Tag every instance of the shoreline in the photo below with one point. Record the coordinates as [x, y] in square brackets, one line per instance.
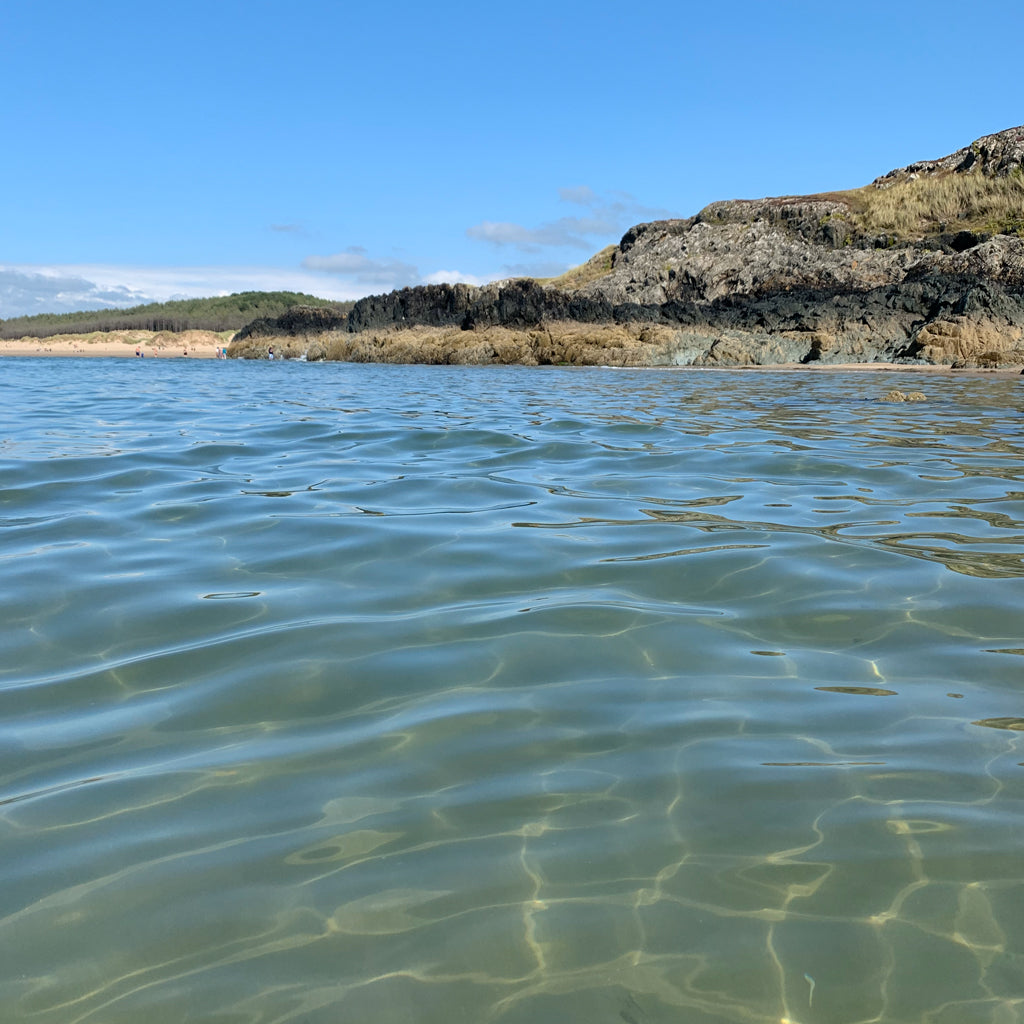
[206, 345]
[1009, 370]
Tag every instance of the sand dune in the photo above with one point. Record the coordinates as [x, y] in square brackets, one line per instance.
[159, 344]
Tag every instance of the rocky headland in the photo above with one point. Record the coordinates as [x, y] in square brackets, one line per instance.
[925, 265]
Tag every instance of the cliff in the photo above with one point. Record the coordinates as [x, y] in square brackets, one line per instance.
[925, 265]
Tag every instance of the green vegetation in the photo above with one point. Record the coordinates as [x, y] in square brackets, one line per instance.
[904, 210]
[932, 204]
[596, 267]
[221, 313]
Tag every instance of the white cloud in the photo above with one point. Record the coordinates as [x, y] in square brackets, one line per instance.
[25, 290]
[607, 217]
[356, 265]
[455, 277]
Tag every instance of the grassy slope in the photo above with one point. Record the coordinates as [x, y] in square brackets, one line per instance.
[914, 208]
[596, 267]
[933, 204]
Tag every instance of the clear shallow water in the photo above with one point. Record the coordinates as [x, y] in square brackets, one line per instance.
[335, 692]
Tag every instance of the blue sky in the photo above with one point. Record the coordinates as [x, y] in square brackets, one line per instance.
[202, 147]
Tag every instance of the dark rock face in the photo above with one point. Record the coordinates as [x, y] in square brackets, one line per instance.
[436, 305]
[519, 303]
[298, 320]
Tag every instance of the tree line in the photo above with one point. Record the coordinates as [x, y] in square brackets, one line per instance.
[220, 313]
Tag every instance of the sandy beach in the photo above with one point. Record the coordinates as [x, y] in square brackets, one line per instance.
[128, 344]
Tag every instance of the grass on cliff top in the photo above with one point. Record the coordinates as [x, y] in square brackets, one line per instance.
[932, 204]
[598, 266]
[915, 208]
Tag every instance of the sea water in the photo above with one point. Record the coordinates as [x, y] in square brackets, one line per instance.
[336, 693]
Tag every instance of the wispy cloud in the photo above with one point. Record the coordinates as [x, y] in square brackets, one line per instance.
[354, 263]
[357, 266]
[538, 268]
[582, 194]
[569, 232]
[605, 217]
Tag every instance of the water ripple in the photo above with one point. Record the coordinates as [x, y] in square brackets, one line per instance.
[506, 694]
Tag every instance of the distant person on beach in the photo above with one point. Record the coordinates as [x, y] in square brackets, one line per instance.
[138, 352]
[270, 352]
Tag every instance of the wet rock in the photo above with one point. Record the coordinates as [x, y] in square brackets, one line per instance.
[900, 396]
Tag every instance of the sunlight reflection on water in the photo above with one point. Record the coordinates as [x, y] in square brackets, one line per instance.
[504, 694]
